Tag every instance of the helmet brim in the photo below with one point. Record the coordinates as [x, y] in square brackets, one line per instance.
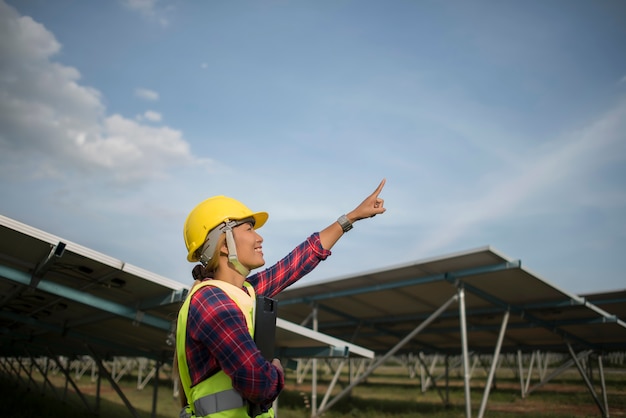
[259, 219]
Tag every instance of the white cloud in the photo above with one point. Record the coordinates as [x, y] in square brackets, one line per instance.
[51, 125]
[148, 9]
[151, 116]
[41, 43]
[147, 94]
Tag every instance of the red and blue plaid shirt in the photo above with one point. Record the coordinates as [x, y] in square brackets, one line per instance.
[217, 336]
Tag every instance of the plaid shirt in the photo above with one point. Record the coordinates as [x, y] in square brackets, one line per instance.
[217, 336]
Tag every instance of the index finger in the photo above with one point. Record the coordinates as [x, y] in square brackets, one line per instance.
[379, 188]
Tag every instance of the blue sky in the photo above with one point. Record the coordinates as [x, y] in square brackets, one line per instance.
[499, 123]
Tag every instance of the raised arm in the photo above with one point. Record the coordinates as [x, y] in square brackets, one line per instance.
[371, 206]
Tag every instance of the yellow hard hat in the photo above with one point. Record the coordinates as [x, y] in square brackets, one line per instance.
[211, 213]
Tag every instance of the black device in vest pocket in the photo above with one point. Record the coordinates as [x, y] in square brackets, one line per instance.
[265, 325]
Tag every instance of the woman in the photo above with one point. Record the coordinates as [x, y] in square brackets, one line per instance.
[221, 369]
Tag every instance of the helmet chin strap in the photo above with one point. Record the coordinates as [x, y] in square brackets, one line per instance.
[232, 253]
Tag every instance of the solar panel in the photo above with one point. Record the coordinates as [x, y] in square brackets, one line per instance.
[377, 309]
[57, 297]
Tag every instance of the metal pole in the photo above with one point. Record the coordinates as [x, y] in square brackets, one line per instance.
[98, 389]
[521, 373]
[466, 377]
[494, 365]
[447, 380]
[603, 385]
[332, 383]
[530, 371]
[155, 393]
[314, 369]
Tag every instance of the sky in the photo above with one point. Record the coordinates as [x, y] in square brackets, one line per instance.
[495, 123]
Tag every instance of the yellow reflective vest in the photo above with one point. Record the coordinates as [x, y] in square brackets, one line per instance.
[214, 397]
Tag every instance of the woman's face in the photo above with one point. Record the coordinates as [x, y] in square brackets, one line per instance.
[249, 249]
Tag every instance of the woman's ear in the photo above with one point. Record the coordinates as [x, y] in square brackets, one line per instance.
[224, 248]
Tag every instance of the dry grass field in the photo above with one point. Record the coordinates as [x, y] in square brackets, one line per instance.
[387, 393]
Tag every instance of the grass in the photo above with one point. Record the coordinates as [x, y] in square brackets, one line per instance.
[387, 393]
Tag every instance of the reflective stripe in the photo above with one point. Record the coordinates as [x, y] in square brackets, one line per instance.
[218, 402]
[185, 412]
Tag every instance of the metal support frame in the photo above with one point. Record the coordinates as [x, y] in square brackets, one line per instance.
[5, 367]
[82, 366]
[430, 376]
[524, 391]
[329, 347]
[411, 366]
[104, 305]
[494, 365]
[153, 373]
[56, 252]
[114, 385]
[125, 367]
[390, 353]
[543, 360]
[29, 373]
[44, 374]
[68, 379]
[302, 369]
[457, 362]
[575, 359]
[16, 372]
[359, 369]
[155, 393]
[604, 410]
[429, 380]
[333, 382]
[566, 365]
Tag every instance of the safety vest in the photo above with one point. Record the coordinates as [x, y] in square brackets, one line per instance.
[215, 396]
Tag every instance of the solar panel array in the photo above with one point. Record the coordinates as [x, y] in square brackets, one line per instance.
[377, 309]
[58, 298]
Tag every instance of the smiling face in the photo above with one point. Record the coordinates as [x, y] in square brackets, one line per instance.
[249, 248]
